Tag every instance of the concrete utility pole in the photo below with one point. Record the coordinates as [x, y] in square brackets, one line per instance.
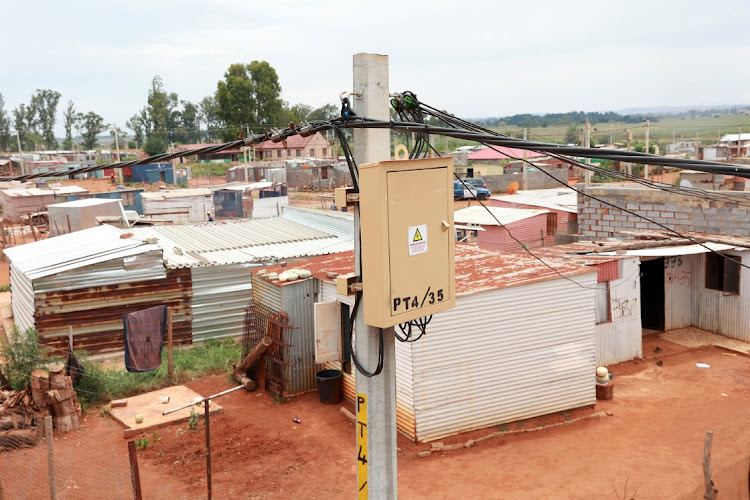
[587, 144]
[20, 152]
[629, 137]
[119, 157]
[377, 478]
[524, 179]
[645, 167]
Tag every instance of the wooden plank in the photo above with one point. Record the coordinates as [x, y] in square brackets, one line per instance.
[148, 405]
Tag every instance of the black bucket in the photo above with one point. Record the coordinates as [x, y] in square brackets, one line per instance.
[330, 386]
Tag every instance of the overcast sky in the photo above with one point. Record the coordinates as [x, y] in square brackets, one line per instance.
[474, 59]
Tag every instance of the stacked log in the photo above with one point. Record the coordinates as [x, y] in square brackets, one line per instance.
[20, 420]
[61, 400]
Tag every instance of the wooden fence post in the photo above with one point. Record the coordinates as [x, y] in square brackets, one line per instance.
[711, 491]
[135, 475]
[50, 456]
[170, 362]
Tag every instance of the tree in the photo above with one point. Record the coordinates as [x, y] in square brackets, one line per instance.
[188, 130]
[297, 113]
[154, 146]
[249, 94]
[267, 91]
[158, 109]
[5, 138]
[24, 121]
[45, 104]
[136, 125]
[69, 121]
[92, 125]
[121, 136]
[572, 134]
[208, 109]
[325, 112]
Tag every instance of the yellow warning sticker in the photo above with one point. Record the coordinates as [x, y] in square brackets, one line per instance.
[362, 486]
[417, 239]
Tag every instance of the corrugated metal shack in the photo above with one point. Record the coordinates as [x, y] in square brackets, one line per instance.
[129, 198]
[88, 280]
[74, 216]
[218, 256]
[529, 227]
[18, 202]
[519, 343]
[179, 206]
[687, 285]
[562, 203]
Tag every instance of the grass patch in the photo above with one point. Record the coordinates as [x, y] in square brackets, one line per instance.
[100, 385]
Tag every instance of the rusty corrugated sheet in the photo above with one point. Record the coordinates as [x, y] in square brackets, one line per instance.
[96, 313]
[529, 232]
[607, 271]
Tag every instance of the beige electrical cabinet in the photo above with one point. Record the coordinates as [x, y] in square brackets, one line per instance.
[408, 245]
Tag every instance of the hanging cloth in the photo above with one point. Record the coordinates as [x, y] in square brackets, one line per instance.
[144, 338]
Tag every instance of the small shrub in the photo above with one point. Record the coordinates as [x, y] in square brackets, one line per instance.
[193, 420]
[21, 354]
[5, 288]
[142, 443]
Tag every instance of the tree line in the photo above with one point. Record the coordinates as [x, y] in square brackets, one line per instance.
[248, 97]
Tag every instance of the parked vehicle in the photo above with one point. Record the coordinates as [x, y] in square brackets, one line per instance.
[475, 182]
[461, 193]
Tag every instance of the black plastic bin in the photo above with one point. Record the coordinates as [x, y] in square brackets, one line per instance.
[330, 386]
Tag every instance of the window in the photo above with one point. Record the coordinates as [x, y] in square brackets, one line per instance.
[289, 153]
[325, 152]
[312, 152]
[723, 273]
[601, 301]
[298, 153]
[278, 153]
[128, 199]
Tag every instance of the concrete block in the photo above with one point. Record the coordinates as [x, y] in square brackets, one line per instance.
[424, 454]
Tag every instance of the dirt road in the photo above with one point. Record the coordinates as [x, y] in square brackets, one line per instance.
[653, 441]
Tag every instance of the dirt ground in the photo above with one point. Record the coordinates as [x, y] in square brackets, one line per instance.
[648, 444]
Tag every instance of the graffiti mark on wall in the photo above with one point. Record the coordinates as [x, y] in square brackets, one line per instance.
[679, 278]
[623, 308]
[672, 262]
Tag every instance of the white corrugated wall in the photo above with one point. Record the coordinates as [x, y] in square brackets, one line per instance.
[621, 338]
[679, 276]
[716, 312]
[220, 297]
[22, 299]
[506, 355]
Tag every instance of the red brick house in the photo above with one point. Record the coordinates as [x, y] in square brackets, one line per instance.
[314, 146]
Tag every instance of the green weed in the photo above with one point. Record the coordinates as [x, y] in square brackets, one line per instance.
[20, 354]
[142, 443]
[193, 420]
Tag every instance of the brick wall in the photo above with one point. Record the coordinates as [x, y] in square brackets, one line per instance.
[682, 213]
[535, 180]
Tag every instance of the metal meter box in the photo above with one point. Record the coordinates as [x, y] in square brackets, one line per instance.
[408, 247]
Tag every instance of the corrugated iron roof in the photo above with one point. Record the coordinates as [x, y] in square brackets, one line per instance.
[477, 270]
[74, 250]
[62, 190]
[670, 251]
[177, 193]
[340, 224]
[295, 141]
[240, 241]
[481, 216]
[558, 199]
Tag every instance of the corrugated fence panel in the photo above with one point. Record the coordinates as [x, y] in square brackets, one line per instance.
[220, 297]
[506, 355]
[621, 338]
[528, 231]
[297, 302]
[678, 289]
[719, 313]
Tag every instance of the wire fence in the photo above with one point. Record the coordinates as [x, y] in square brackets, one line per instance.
[35, 467]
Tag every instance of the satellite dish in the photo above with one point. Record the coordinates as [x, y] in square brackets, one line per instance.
[685, 183]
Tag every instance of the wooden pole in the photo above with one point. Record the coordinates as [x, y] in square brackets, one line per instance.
[711, 490]
[135, 475]
[208, 448]
[50, 456]
[170, 361]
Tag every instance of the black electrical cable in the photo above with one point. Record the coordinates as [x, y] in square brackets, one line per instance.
[361, 369]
